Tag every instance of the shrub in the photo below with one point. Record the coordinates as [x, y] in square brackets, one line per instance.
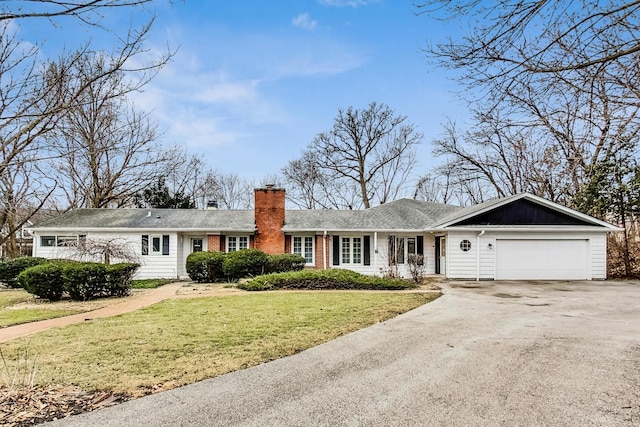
[10, 269]
[119, 278]
[285, 262]
[205, 267]
[85, 280]
[44, 280]
[324, 279]
[245, 263]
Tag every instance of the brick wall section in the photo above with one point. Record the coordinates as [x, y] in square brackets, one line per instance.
[287, 245]
[269, 217]
[214, 243]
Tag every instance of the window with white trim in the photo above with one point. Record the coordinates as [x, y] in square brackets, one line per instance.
[303, 246]
[400, 249]
[237, 243]
[351, 250]
[47, 240]
[155, 245]
[62, 241]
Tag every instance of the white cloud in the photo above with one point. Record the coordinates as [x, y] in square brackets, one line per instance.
[304, 21]
[349, 3]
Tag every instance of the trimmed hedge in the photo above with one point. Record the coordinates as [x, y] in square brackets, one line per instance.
[245, 263]
[209, 267]
[81, 280]
[285, 262]
[120, 277]
[205, 267]
[324, 279]
[44, 280]
[10, 269]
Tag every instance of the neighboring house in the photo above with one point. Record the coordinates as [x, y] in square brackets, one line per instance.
[517, 237]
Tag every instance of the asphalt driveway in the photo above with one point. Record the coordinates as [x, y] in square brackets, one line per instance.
[484, 354]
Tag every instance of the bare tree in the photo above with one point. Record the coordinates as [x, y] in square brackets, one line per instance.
[103, 250]
[33, 96]
[230, 191]
[508, 37]
[368, 153]
[105, 148]
[311, 187]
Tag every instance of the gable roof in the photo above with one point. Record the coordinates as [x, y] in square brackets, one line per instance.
[477, 210]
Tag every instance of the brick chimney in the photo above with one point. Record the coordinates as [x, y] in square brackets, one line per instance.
[269, 218]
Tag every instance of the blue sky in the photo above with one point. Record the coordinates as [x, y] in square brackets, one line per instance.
[254, 81]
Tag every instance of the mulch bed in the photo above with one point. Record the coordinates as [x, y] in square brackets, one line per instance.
[26, 406]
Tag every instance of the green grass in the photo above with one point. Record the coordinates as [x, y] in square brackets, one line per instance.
[150, 283]
[182, 341]
[14, 316]
[334, 278]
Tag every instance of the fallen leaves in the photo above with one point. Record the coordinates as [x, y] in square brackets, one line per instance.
[26, 406]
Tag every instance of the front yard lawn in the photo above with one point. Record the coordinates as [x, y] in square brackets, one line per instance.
[181, 341]
[14, 309]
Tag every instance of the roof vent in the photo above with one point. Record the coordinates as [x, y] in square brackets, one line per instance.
[149, 214]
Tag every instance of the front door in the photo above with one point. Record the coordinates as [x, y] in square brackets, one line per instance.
[441, 253]
[196, 244]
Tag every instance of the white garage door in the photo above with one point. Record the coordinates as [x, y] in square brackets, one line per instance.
[542, 259]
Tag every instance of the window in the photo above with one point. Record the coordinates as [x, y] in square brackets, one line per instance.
[155, 244]
[303, 246]
[403, 248]
[465, 245]
[48, 241]
[159, 244]
[62, 241]
[236, 243]
[196, 245]
[357, 250]
[346, 250]
[352, 250]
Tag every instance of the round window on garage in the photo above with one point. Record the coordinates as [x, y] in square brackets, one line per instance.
[465, 245]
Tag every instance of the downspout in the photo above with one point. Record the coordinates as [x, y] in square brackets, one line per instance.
[478, 255]
[324, 250]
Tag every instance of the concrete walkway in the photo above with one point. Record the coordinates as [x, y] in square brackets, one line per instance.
[484, 354]
[149, 298]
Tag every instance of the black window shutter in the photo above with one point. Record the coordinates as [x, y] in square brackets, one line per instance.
[336, 250]
[367, 250]
[165, 244]
[420, 245]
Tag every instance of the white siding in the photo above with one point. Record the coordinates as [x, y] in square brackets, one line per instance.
[151, 266]
[598, 256]
[463, 265]
[380, 260]
[371, 270]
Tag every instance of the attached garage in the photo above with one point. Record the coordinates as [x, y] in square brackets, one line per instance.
[542, 259]
[524, 237]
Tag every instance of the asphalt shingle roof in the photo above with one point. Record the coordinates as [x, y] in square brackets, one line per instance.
[223, 220]
[403, 214]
